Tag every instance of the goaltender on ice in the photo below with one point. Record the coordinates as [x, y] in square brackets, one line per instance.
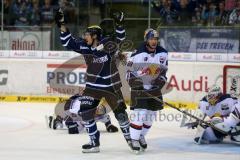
[223, 111]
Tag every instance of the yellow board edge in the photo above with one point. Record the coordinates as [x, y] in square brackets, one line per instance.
[57, 99]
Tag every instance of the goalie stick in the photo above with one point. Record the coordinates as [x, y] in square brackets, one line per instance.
[201, 121]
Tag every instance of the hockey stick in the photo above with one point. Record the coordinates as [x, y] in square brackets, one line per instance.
[192, 116]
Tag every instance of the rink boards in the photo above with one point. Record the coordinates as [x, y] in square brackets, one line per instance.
[53, 80]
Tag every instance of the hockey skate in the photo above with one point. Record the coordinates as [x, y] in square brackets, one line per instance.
[91, 147]
[129, 141]
[53, 122]
[143, 143]
[135, 147]
[200, 140]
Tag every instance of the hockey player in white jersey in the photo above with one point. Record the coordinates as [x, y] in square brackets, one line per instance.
[146, 73]
[223, 111]
[66, 116]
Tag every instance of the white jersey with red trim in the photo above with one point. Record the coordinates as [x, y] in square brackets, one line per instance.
[148, 66]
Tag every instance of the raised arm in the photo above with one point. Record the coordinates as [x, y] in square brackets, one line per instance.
[118, 18]
[66, 37]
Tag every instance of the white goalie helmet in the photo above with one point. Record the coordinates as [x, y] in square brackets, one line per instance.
[213, 94]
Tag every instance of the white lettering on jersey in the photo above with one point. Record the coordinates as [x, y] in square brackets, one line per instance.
[101, 59]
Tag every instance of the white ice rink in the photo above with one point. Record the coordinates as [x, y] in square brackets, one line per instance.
[24, 136]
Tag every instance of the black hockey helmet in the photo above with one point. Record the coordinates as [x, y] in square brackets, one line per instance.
[95, 30]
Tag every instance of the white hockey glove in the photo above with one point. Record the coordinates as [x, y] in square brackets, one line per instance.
[228, 124]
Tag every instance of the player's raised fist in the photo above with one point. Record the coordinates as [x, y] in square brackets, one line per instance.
[59, 18]
[118, 16]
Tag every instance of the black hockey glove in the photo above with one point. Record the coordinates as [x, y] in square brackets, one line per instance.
[117, 16]
[111, 128]
[59, 18]
[160, 82]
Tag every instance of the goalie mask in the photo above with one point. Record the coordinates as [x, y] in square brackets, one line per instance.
[213, 94]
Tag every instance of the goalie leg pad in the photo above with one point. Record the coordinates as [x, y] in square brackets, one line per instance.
[212, 136]
[206, 136]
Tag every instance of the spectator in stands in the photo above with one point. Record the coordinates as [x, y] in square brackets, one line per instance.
[167, 11]
[68, 7]
[234, 17]
[184, 13]
[230, 4]
[47, 13]
[222, 14]
[21, 12]
[209, 14]
[35, 17]
[6, 12]
[196, 18]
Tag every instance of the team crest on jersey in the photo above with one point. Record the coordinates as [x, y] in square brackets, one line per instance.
[224, 107]
[145, 58]
[154, 69]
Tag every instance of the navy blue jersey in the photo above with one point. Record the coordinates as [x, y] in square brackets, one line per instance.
[102, 72]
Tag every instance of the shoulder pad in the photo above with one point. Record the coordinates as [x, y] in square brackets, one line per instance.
[223, 97]
[140, 49]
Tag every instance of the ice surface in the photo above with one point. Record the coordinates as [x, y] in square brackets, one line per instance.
[24, 136]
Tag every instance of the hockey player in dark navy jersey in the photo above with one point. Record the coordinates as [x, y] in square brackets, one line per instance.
[146, 73]
[103, 79]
